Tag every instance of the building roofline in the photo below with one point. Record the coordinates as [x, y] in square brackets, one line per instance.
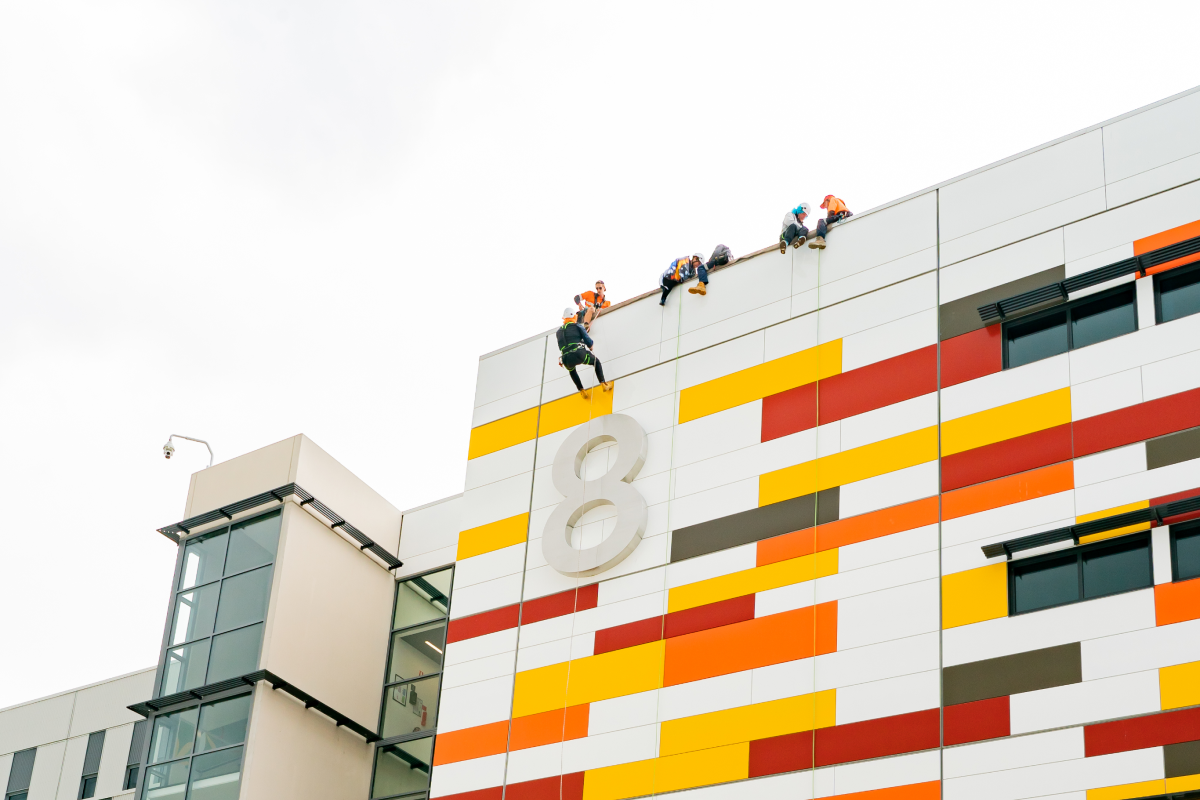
[77, 689]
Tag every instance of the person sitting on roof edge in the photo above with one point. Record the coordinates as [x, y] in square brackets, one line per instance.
[680, 270]
[720, 257]
[837, 212]
[590, 305]
[573, 344]
[794, 232]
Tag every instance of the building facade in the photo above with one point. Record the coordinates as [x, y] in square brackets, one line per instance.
[916, 516]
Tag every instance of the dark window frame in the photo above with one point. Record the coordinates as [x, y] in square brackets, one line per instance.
[1167, 275]
[1078, 553]
[1067, 309]
[1184, 527]
[83, 785]
[131, 777]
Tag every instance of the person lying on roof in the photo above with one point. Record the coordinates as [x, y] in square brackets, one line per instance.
[720, 257]
[591, 304]
[573, 344]
[681, 269]
[837, 212]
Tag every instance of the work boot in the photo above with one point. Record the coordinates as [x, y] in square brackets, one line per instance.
[585, 394]
[783, 245]
[799, 241]
[699, 288]
[607, 386]
[818, 243]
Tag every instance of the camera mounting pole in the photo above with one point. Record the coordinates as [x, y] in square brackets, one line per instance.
[190, 439]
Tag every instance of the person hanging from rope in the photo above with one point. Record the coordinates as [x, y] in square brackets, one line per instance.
[573, 351]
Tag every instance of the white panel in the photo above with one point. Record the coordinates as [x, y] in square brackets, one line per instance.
[488, 566]
[1177, 173]
[881, 773]
[880, 237]
[113, 760]
[509, 372]
[1024, 226]
[620, 613]
[35, 723]
[1110, 464]
[1002, 388]
[889, 614]
[894, 420]
[506, 406]
[467, 776]
[606, 750]
[72, 765]
[889, 697]
[655, 416]
[105, 705]
[5, 768]
[790, 786]
[1136, 349]
[583, 645]
[733, 327]
[888, 341]
[1145, 302]
[721, 502]
[643, 387]
[1140, 486]
[1022, 185]
[1006, 519]
[731, 429]
[490, 644]
[885, 660]
[1171, 376]
[871, 579]
[778, 681]
[1152, 138]
[47, 770]
[481, 669]
[962, 557]
[998, 267]
[761, 281]
[1092, 701]
[878, 277]
[749, 462]
[805, 302]
[1160, 551]
[533, 763]
[1155, 214]
[1088, 263]
[496, 501]
[1013, 753]
[619, 713]
[546, 630]
[706, 696]
[1106, 394]
[785, 598]
[648, 582]
[415, 565]
[791, 337]
[1077, 622]
[890, 489]
[829, 439]
[506, 463]
[485, 596]
[1137, 651]
[543, 655]
[712, 565]
[475, 704]
[888, 548]
[434, 527]
[1058, 777]
[724, 359]
[619, 332]
[877, 308]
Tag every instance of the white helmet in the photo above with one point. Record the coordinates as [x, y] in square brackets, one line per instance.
[698, 257]
[568, 313]
[806, 208]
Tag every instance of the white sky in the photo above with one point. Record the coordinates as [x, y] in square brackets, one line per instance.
[241, 221]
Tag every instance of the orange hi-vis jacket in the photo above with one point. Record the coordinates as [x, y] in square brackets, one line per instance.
[589, 298]
[835, 206]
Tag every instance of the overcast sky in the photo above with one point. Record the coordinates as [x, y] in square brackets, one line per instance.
[246, 220]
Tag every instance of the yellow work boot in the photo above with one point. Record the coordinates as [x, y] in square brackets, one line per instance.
[817, 243]
[607, 386]
[585, 394]
[699, 288]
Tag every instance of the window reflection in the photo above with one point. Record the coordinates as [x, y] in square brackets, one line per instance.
[402, 768]
[173, 735]
[184, 668]
[410, 707]
[223, 724]
[417, 651]
[422, 599]
[203, 561]
[195, 612]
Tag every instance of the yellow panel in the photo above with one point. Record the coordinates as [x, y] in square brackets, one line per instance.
[1112, 512]
[703, 768]
[1126, 791]
[493, 536]
[1179, 686]
[1184, 783]
[569, 411]
[615, 674]
[623, 780]
[752, 581]
[857, 464]
[1006, 422]
[503, 433]
[761, 380]
[542, 689]
[975, 595]
[747, 723]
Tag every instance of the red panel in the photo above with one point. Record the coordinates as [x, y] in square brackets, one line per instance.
[572, 786]
[492, 793]
[713, 615]
[789, 412]
[1137, 423]
[974, 722]
[1171, 498]
[588, 597]
[555, 605]
[1153, 730]
[543, 789]
[500, 619]
[628, 635]
[972, 355]
[1006, 458]
[781, 754]
[874, 738]
[878, 385]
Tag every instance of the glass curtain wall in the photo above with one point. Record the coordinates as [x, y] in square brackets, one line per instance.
[220, 604]
[408, 719]
[196, 753]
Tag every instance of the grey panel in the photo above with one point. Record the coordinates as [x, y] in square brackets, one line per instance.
[1172, 449]
[139, 741]
[22, 770]
[755, 525]
[1020, 672]
[1182, 759]
[962, 316]
[91, 761]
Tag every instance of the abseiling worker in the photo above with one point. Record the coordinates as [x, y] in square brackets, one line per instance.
[573, 344]
[794, 231]
[836, 211]
[591, 304]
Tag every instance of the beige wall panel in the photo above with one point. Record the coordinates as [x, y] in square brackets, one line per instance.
[35, 724]
[1002, 266]
[1134, 221]
[328, 620]
[104, 706]
[510, 371]
[621, 331]
[877, 238]
[340, 489]
[431, 527]
[300, 755]
[47, 768]
[72, 768]
[5, 768]
[245, 476]
[1156, 137]
[114, 760]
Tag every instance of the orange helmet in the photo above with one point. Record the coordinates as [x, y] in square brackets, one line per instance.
[825, 202]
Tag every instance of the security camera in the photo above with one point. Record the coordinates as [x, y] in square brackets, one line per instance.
[168, 450]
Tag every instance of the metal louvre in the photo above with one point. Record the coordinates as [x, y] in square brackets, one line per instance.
[136, 744]
[1155, 514]
[1059, 292]
[21, 771]
[336, 521]
[91, 761]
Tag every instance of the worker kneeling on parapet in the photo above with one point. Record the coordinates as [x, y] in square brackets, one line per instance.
[573, 350]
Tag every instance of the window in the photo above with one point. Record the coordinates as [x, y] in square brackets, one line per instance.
[1177, 293]
[220, 603]
[1088, 321]
[19, 774]
[91, 765]
[198, 749]
[135, 754]
[1185, 551]
[414, 677]
[1083, 573]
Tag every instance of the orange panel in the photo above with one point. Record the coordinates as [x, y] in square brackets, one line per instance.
[483, 740]
[536, 730]
[577, 721]
[914, 791]
[1177, 602]
[754, 643]
[786, 547]
[1161, 240]
[848, 531]
[1008, 490]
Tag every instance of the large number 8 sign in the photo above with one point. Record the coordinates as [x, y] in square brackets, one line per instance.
[582, 496]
